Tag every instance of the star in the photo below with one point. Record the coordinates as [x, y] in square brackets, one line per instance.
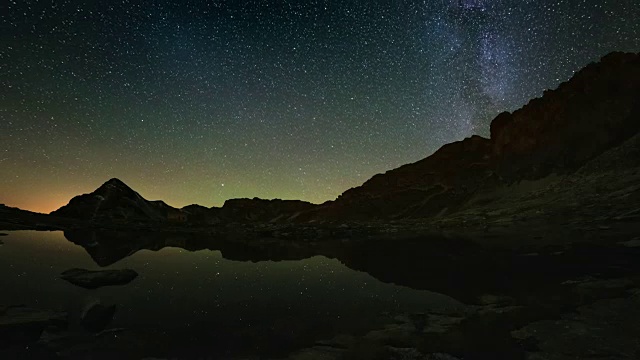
[180, 94]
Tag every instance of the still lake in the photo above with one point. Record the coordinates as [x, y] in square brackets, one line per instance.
[200, 300]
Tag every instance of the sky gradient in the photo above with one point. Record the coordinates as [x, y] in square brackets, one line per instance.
[202, 101]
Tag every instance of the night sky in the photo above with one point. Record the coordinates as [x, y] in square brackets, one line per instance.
[202, 101]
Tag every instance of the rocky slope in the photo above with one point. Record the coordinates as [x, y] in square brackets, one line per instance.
[114, 201]
[260, 210]
[595, 111]
[576, 129]
[16, 219]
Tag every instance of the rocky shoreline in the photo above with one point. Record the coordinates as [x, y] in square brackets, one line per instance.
[588, 318]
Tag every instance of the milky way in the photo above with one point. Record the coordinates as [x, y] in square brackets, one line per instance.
[201, 101]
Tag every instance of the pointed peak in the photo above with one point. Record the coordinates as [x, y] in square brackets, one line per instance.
[115, 181]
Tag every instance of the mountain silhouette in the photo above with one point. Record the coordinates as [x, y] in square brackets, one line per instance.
[587, 124]
[597, 110]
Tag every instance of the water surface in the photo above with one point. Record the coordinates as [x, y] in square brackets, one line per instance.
[199, 298]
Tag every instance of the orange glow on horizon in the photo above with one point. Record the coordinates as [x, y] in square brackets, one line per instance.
[40, 206]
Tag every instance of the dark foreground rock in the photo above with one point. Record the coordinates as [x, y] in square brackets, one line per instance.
[96, 317]
[22, 324]
[586, 318]
[605, 329]
[95, 279]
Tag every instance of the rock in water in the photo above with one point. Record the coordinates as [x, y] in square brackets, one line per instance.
[600, 330]
[19, 323]
[95, 316]
[95, 279]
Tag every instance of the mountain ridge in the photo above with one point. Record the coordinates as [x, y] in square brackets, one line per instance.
[558, 133]
[597, 109]
[116, 201]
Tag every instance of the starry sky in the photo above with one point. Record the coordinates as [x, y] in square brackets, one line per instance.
[201, 101]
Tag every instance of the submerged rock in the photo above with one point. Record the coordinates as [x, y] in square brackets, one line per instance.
[495, 300]
[634, 243]
[602, 330]
[394, 353]
[95, 279]
[95, 316]
[318, 352]
[19, 323]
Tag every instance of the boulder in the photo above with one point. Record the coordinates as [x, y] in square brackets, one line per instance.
[96, 317]
[24, 324]
[95, 279]
[602, 330]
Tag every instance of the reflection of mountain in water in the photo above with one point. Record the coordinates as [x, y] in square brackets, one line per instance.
[109, 247]
[455, 267]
